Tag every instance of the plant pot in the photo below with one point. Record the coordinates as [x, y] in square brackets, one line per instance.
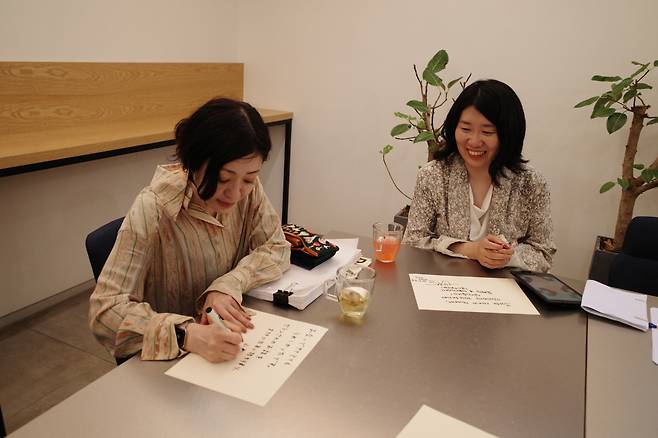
[599, 268]
[401, 217]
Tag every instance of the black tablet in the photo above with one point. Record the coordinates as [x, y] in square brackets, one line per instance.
[549, 288]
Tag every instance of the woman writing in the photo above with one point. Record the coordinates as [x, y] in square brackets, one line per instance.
[478, 198]
[202, 233]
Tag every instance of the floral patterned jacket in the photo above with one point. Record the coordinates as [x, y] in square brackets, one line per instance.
[519, 210]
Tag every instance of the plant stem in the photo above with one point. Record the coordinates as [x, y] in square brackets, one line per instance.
[392, 180]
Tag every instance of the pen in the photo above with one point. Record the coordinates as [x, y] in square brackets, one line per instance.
[652, 325]
[215, 318]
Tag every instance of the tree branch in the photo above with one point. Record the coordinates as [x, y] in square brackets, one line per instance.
[648, 186]
[393, 180]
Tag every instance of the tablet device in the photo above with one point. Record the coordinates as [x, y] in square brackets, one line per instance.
[548, 287]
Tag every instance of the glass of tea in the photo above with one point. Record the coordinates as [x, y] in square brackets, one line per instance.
[386, 239]
[352, 289]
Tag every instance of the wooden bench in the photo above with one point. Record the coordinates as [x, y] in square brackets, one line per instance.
[58, 113]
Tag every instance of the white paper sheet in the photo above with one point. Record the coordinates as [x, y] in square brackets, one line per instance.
[470, 294]
[272, 350]
[429, 422]
[654, 334]
[617, 304]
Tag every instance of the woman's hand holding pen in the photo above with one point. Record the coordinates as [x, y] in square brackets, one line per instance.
[491, 251]
[212, 341]
[228, 309]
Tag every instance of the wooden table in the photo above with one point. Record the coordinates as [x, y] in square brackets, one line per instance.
[510, 375]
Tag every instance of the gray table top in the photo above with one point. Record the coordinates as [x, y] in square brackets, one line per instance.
[510, 375]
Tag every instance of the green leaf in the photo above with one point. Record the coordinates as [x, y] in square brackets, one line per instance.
[606, 78]
[418, 106]
[615, 122]
[653, 121]
[623, 183]
[638, 166]
[619, 87]
[640, 70]
[433, 79]
[648, 175]
[655, 63]
[438, 61]
[642, 86]
[586, 102]
[403, 116]
[630, 94]
[386, 149]
[600, 109]
[636, 63]
[423, 136]
[400, 129]
[607, 186]
[454, 81]
[421, 124]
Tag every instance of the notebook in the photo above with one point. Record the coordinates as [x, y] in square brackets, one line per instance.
[299, 287]
[616, 304]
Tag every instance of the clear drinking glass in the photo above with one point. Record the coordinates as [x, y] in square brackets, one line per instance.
[353, 291]
[386, 239]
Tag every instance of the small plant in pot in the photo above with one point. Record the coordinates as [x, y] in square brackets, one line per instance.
[624, 98]
[419, 121]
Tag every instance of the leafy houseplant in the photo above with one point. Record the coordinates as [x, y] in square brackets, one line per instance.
[623, 98]
[419, 126]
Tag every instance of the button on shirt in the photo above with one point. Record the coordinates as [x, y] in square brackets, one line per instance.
[170, 252]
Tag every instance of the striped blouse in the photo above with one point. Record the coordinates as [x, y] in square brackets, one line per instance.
[170, 252]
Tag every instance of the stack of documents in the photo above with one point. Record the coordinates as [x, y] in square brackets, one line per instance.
[617, 304]
[300, 286]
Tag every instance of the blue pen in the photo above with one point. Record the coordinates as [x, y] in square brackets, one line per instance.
[652, 325]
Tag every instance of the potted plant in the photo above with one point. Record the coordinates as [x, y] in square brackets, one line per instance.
[624, 98]
[418, 124]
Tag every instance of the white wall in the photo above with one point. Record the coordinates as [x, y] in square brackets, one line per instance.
[46, 214]
[344, 67]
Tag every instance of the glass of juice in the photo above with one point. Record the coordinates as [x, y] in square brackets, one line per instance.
[386, 238]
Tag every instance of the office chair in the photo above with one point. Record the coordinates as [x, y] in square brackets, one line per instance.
[99, 243]
[635, 267]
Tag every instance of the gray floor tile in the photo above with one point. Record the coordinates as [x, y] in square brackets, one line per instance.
[38, 371]
[69, 324]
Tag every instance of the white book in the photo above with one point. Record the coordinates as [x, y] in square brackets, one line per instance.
[300, 287]
[616, 304]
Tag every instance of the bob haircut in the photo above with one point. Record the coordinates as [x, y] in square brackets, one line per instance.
[502, 107]
[220, 131]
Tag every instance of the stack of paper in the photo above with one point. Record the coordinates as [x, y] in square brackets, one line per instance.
[617, 304]
[307, 285]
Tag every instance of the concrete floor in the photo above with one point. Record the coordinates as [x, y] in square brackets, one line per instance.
[46, 358]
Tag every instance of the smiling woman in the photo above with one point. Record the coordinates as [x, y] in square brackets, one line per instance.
[479, 198]
[202, 233]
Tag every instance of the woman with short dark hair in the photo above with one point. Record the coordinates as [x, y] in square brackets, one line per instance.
[200, 235]
[479, 198]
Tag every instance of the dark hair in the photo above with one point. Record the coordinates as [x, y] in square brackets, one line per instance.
[220, 131]
[502, 107]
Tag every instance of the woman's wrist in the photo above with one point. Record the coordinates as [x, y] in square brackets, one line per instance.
[462, 248]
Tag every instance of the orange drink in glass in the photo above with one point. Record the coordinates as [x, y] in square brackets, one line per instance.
[386, 239]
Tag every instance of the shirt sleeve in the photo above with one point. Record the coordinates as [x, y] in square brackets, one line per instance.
[536, 250]
[269, 252]
[421, 222]
[119, 318]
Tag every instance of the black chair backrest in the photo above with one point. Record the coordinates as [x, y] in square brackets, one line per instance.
[642, 237]
[99, 243]
[635, 267]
